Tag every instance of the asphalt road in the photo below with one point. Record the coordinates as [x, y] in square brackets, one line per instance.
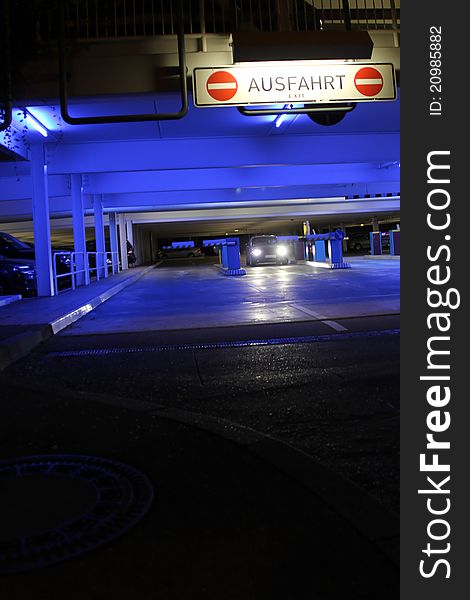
[309, 358]
[336, 398]
[320, 371]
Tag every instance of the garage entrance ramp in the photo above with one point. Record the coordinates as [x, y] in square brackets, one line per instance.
[182, 298]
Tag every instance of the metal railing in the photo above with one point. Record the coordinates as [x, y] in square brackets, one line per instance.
[102, 270]
[68, 279]
[78, 263]
[115, 19]
[114, 259]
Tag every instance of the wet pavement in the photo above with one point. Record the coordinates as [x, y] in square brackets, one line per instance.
[193, 294]
[228, 520]
[274, 461]
[336, 398]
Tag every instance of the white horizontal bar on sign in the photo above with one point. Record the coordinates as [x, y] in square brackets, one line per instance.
[221, 86]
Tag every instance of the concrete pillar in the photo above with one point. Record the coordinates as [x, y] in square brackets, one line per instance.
[123, 242]
[335, 250]
[306, 231]
[113, 241]
[101, 264]
[375, 224]
[130, 237]
[130, 231]
[345, 242]
[320, 251]
[138, 246]
[79, 237]
[41, 223]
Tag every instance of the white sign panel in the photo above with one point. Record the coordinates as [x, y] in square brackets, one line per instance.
[305, 83]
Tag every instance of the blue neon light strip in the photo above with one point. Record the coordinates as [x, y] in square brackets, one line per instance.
[282, 117]
[35, 123]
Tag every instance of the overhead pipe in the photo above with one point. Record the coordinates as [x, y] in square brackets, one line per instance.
[136, 118]
[347, 15]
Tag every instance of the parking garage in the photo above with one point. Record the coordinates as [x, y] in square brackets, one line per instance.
[133, 199]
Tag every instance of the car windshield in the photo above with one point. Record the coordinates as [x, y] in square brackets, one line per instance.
[267, 241]
[8, 240]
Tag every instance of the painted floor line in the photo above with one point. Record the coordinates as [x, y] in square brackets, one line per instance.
[333, 324]
[308, 339]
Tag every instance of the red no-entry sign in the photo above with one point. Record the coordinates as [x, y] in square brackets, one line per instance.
[368, 81]
[222, 86]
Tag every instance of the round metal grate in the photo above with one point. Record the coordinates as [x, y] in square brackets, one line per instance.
[55, 507]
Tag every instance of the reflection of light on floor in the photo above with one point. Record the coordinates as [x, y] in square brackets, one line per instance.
[261, 314]
[257, 281]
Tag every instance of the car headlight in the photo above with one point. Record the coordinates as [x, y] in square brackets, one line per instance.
[281, 251]
[257, 252]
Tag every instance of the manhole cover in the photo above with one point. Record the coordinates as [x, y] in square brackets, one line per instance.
[56, 507]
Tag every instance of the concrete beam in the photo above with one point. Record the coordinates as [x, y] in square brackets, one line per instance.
[20, 187]
[148, 155]
[227, 178]
[234, 197]
[15, 142]
[304, 212]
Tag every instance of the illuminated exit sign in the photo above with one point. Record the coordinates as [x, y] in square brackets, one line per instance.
[272, 83]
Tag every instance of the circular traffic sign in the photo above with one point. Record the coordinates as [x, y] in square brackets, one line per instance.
[368, 81]
[222, 86]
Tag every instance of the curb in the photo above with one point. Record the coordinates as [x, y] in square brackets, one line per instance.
[72, 316]
[328, 265]
[4, 300]
[381, 257]
[17, 346]
[231, 272]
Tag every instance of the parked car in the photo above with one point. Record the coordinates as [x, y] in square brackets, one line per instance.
[358, 241]
[265, 249]
[361, 241]
[169, 252]
[17, 276]
[12, 247]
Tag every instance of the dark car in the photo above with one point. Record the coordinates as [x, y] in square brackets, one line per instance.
[358, 242]
[18, 259]
[266, 249]
[12, 247]
[170, 252]
[17, 276]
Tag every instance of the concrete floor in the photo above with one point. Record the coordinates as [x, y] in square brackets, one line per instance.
[193, 294]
